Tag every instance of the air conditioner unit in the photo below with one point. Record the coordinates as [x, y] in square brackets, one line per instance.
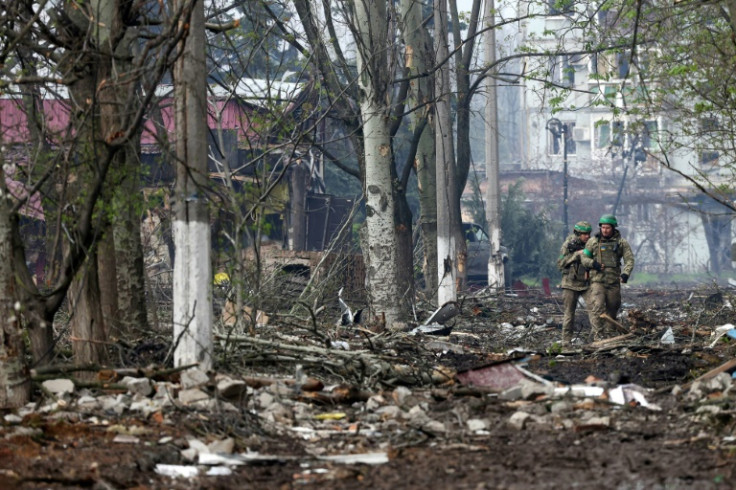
[581, 134]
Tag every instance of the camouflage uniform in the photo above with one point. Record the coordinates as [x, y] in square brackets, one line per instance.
[605, 285]
[575, 283]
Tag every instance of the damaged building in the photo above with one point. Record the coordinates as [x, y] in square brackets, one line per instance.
[604, 155]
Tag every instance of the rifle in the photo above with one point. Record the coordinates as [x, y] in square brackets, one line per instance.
[575, 245]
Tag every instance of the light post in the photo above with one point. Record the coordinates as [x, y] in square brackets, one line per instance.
[558, 129]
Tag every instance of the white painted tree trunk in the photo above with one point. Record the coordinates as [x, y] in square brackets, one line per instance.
[372, 23]
[445, 153]
[190, 229]
[496, 277]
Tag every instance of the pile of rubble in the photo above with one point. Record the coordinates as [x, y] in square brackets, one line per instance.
[345, 425]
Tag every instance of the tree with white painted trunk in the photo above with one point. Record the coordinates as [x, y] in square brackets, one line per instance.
[191, 228]
[447, 197]
[496, 277]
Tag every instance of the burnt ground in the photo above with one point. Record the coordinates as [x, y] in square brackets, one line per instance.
[591, 443]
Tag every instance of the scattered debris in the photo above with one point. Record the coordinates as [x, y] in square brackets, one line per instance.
[314, 411]
[668, 337]
[444, 313]
[720, 332]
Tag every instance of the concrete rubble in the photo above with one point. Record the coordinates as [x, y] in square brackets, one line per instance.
[530, 404]
[394, 413]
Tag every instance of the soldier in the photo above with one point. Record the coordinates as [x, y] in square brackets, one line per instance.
[575, 281]
[603, 254]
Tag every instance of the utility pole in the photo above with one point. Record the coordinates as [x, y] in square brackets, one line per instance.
[496, 279]
[559, 130]
[191, 228]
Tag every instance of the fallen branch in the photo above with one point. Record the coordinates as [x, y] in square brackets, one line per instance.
[720, 369]
[616, 324]
[361, 365]
[255, 382]
[605, 342]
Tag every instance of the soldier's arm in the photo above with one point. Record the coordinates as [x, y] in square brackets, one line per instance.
[628, 258]
[567, 258]
[587, 258]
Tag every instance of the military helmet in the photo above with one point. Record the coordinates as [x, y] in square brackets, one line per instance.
[582, 227]
[608, 219]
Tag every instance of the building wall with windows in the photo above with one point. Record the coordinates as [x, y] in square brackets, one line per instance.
[612, 154]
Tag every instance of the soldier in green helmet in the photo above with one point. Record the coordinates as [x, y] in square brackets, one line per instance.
[575, 281]
[603, 255]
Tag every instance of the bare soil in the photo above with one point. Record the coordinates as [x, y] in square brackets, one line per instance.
[640, 449]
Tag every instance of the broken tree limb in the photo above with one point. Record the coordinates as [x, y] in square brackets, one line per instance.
[255, 382]
[362, 365]
[605, 342]
[43, 373]
[727, 366]
[341, 394]
[616, 324]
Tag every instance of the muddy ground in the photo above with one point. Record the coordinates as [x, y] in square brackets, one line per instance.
[581, 442]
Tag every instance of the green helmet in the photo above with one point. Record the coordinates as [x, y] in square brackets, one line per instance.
[608, 219]
[582, 227]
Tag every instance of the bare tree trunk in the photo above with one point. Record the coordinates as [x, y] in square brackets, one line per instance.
[86, 323]
[381, 253]
[493, 201]
[446, 188]
[106, 273]
[191, 230]
[404, 244]
[464, 50]
[131, 285]
[15, 385]
[298, 180]
[419, 59]
[40, 333]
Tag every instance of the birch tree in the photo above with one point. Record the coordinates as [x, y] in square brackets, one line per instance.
[373, 29]
[375, 58]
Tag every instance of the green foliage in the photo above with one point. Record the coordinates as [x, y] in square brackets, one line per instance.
[554, 350]
[531, 238]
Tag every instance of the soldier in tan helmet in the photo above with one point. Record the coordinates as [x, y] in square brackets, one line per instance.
[575, 282]
[603, 255]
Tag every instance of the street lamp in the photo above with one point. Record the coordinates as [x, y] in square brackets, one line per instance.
[558, 129]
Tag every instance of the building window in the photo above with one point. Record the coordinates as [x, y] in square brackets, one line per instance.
[555, 142]
[561, 7]
[709, 158]
[561, 71]
[650, 135]
[622, 64]
[609, 134]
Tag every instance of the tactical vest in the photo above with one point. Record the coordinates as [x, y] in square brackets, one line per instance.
[610, 253]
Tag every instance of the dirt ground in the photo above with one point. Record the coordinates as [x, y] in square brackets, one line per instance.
[679, 446]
